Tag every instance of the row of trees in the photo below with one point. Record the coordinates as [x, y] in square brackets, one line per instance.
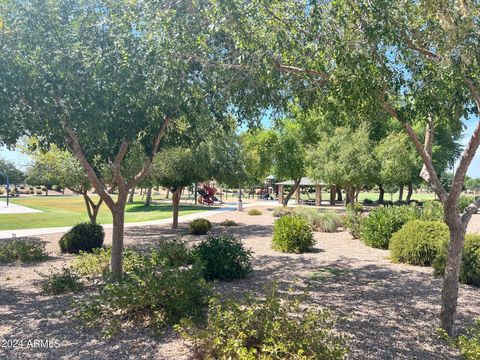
[101, 77]
[349, 158]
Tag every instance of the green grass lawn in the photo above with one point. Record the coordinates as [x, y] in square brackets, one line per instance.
[70, 210]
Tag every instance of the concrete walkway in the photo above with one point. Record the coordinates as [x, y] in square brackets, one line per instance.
[7, 234]
[15, 209]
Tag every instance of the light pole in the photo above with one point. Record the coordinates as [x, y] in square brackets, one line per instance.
[8, 186]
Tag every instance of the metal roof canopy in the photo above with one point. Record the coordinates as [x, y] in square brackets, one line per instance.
[305, 181]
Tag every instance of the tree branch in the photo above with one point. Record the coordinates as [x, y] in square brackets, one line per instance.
[148, 163]
[77, 150]
[428, 53]
[117, 164]
[470, 150]
[426, 158]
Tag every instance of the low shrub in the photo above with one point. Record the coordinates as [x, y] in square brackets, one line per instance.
[282, 211]
[378, 227]
[173, 253]
[358, 208]
[418, 242]
[368, 202]
[352, 221]
[39, 192]
[431, 211]
[223, 257]
[82, 237]
[22, 250]
[200, 226]
[464, 201]
[228, 223]
[468, 344]
[273, 328]
[470, 266]
[62, 282]
[292, 233]
[2, 191]
[98, 261]
[149, 295]
[254, 212]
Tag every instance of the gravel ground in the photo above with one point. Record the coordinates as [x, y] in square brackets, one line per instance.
[389, 311]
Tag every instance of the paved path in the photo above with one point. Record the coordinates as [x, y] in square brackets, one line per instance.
[15, 209]
[7, 234]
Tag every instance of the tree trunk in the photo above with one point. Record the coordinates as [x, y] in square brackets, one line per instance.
[400, 193]
[381, 195]
[294, 187]
[176, 205]
[92, 208]
[409, 193]
[333, 194]
[168, 194]
[118, 215]
[195, 193]
[452, 271]
[46, 190]
[350, 197]
[148, 199]
[131, 195]
[339, 194]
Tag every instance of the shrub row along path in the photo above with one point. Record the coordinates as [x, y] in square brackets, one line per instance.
[388, 310]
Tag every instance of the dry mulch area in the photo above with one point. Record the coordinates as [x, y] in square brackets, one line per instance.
[390, 311]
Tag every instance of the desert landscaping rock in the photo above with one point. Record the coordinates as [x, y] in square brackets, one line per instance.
[389, 311]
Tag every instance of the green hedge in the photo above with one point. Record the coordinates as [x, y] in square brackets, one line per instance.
[418, 242]
[470, 267]
[292, 234]
[379, 226]
[82, 237]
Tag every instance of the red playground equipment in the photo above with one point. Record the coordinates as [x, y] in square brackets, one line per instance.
[207, 195]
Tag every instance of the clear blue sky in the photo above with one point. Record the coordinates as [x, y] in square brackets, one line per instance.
[23, 161]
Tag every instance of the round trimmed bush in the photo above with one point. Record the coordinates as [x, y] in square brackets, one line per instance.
[223, 257]
[200, 226]
[293, 234]
[82, 237]
[418, 242]
[470, 267]
[379, 226]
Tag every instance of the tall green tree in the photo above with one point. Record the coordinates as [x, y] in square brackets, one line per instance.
[346, 158]
[399, 164]
[414, 61]
[176, 168]
[14, 174]
[97, 76]
[289, 154]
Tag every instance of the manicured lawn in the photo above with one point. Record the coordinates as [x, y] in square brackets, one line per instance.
[70, 210]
